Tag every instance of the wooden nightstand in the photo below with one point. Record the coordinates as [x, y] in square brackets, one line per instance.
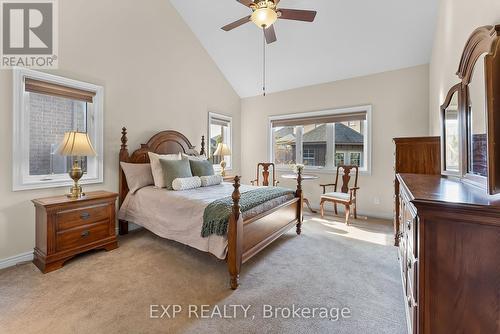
[66, 227]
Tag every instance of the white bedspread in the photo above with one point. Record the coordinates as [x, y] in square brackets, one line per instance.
[178, 215]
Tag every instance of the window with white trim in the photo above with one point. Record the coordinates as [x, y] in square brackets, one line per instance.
[322, 140]
[219, 131]
[45, 108]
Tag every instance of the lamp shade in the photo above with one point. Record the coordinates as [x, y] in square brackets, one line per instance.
[222, 150]
[76, 144]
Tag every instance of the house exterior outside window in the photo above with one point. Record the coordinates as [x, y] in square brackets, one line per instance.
[355, 159]
[339, 159]
[322, 140]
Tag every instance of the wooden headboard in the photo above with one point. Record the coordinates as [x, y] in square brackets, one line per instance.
[164, 142]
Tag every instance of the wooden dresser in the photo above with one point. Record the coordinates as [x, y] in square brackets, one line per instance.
[449, 252]
[66, 227]
[419, 155]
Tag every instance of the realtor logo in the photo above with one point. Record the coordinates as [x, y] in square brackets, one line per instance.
[29, 33]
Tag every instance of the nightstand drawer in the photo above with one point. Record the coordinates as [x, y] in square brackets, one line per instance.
[81, 216]
[81, 236]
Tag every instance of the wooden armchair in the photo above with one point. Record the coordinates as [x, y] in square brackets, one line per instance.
[346, 196]
[265, 175]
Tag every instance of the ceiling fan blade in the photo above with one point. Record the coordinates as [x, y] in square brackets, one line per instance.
[236, 24]
[245, 2]
[297, 14]
[270, 34]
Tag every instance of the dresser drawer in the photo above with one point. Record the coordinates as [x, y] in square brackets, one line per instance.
[402, 258]
[82, 235]
[411, 276]
[412, 308]
[81, 216]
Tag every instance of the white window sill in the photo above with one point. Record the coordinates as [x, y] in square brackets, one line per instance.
[326, 171]
[218, 169]
[54, 183]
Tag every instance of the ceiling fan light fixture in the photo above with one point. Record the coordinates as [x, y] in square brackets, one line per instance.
[264, 17]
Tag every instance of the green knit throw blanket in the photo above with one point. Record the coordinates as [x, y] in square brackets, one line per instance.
[216, 214]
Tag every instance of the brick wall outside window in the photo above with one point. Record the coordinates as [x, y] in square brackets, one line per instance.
[50, 118]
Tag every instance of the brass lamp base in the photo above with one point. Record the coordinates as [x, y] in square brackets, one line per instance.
[223, 168]
[76, 174]
[75, 192]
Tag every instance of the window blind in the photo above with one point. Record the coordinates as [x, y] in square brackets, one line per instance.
[219, 121]
[48, 88]
[354, 116]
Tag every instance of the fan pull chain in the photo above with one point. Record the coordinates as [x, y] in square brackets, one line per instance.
[264, 62]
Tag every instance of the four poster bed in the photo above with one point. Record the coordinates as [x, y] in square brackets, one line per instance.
[246, 234]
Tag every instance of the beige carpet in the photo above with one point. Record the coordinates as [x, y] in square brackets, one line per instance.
[329, 265]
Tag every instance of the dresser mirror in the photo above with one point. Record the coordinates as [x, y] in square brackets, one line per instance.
[470, 114]
[451, 133]
[477, 144]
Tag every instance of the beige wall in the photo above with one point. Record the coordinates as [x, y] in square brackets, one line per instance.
[400, 103]
[457, 19]
[156, 76]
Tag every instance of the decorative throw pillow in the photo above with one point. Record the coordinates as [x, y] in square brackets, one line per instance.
[194, 157]
[186, 183]
[156, 168]
[201, 167]
[174, 169]
[212, 180]
[138, 175]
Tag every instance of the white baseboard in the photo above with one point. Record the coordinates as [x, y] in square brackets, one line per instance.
[28, 256]
[16, 259]
[378, 215]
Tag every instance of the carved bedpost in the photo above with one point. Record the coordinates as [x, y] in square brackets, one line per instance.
[124, 156]
[235, 237]
[202, 151]
[299, 194]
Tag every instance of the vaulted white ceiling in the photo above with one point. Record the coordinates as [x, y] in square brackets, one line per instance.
[348, 39]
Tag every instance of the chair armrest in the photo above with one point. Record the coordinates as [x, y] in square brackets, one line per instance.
[327, 185]
[352, 191]
[253, 182]
[276, 183]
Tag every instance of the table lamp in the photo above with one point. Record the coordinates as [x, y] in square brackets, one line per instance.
[222, 151]
[76, 144]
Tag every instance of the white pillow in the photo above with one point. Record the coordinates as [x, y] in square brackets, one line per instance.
[156, 169]
[194, 157]
[210, 180]
[186, 183]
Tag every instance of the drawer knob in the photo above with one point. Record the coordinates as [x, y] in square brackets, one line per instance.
[85, 215]
[85, 234]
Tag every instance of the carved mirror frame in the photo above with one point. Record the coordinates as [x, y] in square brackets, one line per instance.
[484, 40]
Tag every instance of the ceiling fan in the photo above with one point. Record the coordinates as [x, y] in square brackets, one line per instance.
[265, 14]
